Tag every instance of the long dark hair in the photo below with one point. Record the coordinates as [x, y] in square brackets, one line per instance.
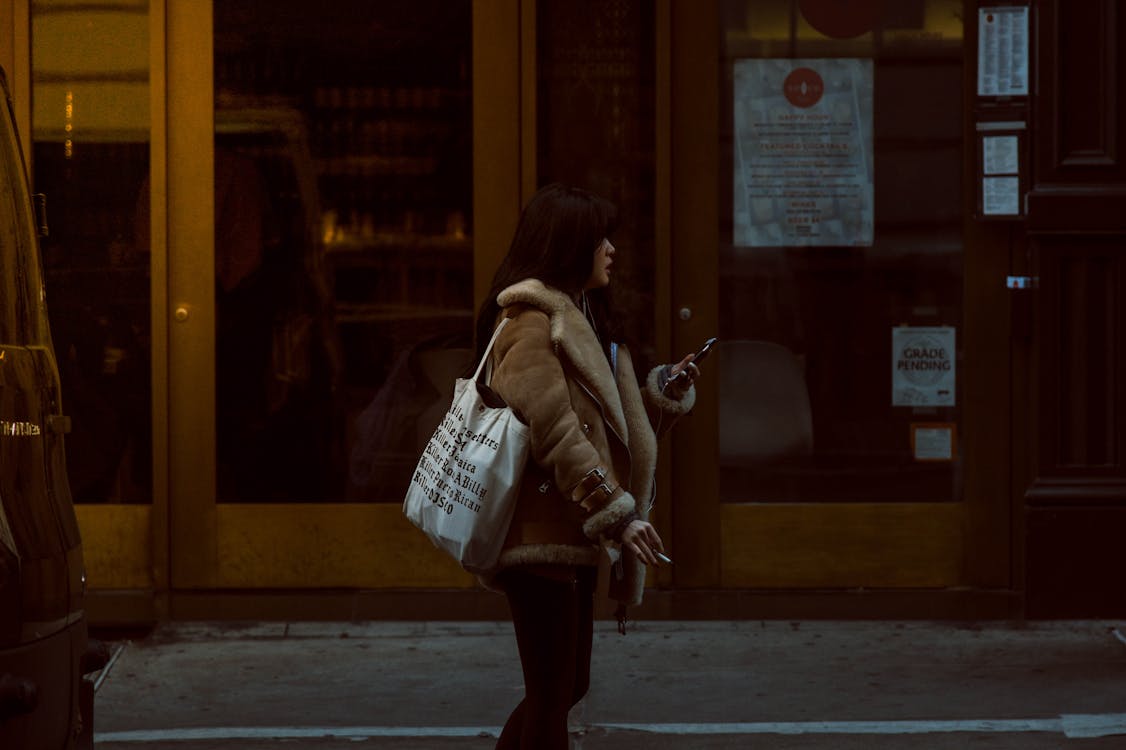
[560, 229]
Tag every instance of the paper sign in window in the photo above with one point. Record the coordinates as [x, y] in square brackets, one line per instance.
[1000, 196]
[922, 366]
[933, 442]
[803, 158]
[1000, 154]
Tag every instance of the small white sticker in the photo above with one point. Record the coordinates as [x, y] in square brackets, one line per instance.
[933, 442]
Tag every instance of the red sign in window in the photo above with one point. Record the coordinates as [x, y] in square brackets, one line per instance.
[803, 87]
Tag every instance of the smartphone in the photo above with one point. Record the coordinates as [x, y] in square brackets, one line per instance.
[701, 355]
[705, 350]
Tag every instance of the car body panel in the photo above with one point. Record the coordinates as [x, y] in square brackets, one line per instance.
[43, 635]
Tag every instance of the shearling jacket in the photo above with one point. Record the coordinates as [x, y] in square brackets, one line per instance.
[592, 433]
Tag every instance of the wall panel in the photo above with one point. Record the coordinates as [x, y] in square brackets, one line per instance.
[1079, 123]
[1075, 510]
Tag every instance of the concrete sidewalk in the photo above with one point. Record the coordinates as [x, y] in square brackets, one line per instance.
[667, 684]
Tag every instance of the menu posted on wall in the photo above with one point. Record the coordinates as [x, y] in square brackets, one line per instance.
[922, 366]
[803, 152]
[1002, 51]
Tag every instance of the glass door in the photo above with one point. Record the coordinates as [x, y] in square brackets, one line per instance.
[841, 386]
[321, 304]
[91, 136]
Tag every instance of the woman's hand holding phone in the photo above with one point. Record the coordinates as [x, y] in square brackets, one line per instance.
[685, 372]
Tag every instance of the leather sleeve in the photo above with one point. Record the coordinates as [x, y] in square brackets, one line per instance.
[528, 375]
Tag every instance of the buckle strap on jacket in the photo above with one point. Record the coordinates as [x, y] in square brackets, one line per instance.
[598, 498]
[588, 484]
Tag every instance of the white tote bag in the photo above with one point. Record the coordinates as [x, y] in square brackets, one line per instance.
[463, 491]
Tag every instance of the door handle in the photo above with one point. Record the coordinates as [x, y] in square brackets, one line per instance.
[58, 424]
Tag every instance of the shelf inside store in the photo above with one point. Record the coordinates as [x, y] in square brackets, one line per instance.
[364, 249]
[364, 312]
[415, 99]
[367, 165]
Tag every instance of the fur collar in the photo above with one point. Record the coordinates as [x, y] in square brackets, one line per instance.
[571, 335]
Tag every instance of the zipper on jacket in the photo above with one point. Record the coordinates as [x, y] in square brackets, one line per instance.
[610, 426]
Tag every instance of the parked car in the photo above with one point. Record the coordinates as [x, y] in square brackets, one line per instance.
[45, 702]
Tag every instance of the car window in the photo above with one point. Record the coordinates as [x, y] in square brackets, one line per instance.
[19, 267]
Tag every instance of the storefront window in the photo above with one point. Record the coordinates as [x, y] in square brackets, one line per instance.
[90, 135]
[596, 101]
[343, 257]
[841, 251]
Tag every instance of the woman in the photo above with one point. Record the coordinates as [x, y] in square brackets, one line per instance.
[590, 477]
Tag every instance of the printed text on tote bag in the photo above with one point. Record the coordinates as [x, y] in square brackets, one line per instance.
[443, 474]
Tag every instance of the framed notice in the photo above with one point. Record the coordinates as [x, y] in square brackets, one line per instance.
[1002, 51]
[1002, 157]
[803, 152]
[922, 366]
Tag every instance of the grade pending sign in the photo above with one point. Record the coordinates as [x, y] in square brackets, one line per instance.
[922, 366]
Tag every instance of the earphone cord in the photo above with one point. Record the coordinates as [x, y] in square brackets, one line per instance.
[589, 316]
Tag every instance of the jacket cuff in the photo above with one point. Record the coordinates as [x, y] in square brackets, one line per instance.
[620, 506]
[614, 533]
[665, 403]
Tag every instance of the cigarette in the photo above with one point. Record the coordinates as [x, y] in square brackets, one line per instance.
[664, 558]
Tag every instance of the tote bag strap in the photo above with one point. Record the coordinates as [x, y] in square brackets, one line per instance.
[488, 351]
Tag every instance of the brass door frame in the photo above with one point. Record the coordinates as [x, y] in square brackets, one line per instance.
[189, 316]
[125, 546]
[821, 545]
[300, 545]
[694, 197]
[15, 56]
[175, 542]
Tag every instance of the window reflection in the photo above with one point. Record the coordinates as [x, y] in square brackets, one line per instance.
[90, 133]
[343, 253]
[806, 371]
[596, 98]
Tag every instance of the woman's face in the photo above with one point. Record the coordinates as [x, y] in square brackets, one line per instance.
[600, 270]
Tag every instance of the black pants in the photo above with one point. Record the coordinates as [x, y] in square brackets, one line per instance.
[554, 623]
